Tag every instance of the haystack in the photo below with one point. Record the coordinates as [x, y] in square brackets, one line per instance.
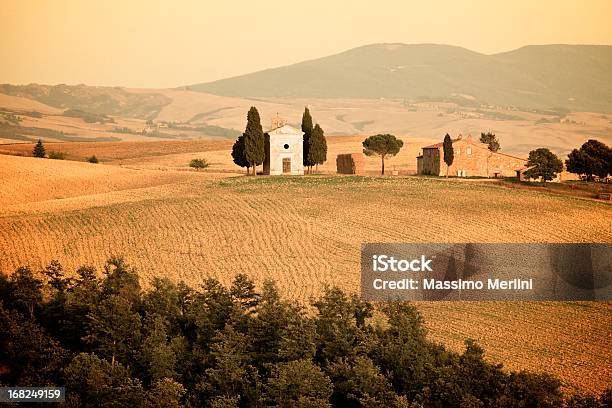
[351, 163]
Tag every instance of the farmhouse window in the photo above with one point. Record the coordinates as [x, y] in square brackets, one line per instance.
[469, 150]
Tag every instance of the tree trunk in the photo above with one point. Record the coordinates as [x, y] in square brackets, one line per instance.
[447, 167]
[383, 164]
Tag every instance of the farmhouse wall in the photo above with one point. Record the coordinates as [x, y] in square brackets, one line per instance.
[471, 159]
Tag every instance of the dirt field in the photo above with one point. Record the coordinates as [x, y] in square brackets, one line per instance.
[118, 152]
[303, 232]
[176, 155]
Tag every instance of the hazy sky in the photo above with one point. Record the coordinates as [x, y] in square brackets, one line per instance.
[171, 43]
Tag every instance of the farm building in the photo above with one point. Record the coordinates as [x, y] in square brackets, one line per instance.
[284, 149]
[471, 159]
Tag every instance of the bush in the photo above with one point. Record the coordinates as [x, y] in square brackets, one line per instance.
[57, 155]
[93, 159]
[199, 164]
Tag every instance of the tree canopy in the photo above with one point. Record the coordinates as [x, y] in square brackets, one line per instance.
[238, 153]
[543, 164]
[39, 149]
[491, 140]
[307, 128]
[449, 153]
[592, 159]
[317, 146]
[383, 145]
[111, 343]
[254, 143]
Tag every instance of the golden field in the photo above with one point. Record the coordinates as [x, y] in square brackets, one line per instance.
[144, 203]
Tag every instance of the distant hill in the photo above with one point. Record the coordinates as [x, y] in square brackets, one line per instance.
[95, 100]
[576, 77]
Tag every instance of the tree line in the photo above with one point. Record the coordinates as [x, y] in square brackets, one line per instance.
[249, 149]
[113, 344]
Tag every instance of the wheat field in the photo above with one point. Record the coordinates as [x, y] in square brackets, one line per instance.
[306, 232]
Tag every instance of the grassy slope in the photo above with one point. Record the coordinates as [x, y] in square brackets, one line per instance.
[306, 232]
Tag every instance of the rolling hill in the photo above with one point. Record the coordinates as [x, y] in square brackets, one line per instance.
[303, 232]
[576, 77]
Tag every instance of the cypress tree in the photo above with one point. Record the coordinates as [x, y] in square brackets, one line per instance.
[317, 146]
[448, 152]
[238, 153]
[254, 140]
[307, 129]
[39, 149]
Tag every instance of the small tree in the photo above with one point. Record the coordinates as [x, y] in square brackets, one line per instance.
[491, 140]
[544, 164]
[238, 153]
[593, 158]
[317, 147]
[449, 154]
[39, 149]
[93, 159]
[198, 164]
[254, 143]
[383, 146]
[307, 128]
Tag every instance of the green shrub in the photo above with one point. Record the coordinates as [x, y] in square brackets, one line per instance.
[57, 155]
[199, 164]
[93, 159]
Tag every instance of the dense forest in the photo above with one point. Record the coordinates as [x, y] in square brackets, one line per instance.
[113, 344]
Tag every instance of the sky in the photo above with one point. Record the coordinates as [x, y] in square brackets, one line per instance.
[158, 44]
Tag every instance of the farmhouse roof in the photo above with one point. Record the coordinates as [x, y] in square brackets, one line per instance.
[474, 143]
[439, 145]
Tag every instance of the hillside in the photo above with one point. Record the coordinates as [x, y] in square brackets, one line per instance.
[188, 225]
[198, 116]
[93, 99]
[577, 77]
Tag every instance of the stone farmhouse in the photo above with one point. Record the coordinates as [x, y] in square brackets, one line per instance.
[471, 159]
[284, 146]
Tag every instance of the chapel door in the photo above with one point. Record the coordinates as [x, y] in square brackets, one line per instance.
[287, 165]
